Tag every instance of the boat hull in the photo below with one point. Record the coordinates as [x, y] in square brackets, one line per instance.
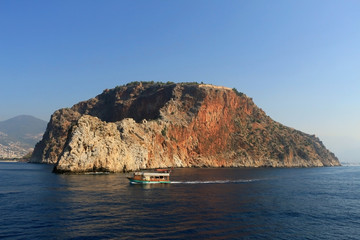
[135, 181]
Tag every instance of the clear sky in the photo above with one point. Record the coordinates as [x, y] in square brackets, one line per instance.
[298, 60]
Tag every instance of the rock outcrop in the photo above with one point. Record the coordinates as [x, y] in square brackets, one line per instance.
[151, 125]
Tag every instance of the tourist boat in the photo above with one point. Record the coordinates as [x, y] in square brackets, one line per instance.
[158, 176]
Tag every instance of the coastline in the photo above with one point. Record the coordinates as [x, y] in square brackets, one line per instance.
[14, 160]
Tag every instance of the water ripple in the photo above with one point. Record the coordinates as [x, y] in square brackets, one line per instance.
[319, 203]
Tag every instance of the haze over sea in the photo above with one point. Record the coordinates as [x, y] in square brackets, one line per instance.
[226, 203]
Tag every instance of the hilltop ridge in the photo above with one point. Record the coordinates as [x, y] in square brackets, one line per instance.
[149, 125]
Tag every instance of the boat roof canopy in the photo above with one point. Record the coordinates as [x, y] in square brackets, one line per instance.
[151, 174]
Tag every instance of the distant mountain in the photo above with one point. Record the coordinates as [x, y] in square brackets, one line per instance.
[19, 135]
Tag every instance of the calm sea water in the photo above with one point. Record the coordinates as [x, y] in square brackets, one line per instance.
[302, 203]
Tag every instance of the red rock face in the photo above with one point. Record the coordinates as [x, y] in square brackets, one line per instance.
[181, 125]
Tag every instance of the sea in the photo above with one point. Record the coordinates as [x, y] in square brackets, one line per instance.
[200, 203]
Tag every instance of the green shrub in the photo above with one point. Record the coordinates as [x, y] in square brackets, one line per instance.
[163, 132]
[237, 92]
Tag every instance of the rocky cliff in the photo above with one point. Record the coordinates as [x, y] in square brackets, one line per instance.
[151, 125]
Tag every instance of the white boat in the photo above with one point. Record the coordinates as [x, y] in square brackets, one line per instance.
[158, 176]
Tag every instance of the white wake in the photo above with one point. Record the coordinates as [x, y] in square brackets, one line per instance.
[216, 181]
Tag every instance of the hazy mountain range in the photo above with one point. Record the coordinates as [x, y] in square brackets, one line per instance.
[19, 135]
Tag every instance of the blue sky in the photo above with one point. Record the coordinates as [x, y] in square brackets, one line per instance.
[298, 60]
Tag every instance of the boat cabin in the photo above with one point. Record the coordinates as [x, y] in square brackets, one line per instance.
[160, 176]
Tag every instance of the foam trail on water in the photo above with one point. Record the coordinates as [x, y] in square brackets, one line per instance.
[216, 181]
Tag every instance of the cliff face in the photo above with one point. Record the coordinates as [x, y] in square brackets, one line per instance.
[146, 125]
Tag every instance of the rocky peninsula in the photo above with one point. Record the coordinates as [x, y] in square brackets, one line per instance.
[149, 125]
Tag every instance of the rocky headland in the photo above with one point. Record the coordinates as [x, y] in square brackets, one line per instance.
[149, 125]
